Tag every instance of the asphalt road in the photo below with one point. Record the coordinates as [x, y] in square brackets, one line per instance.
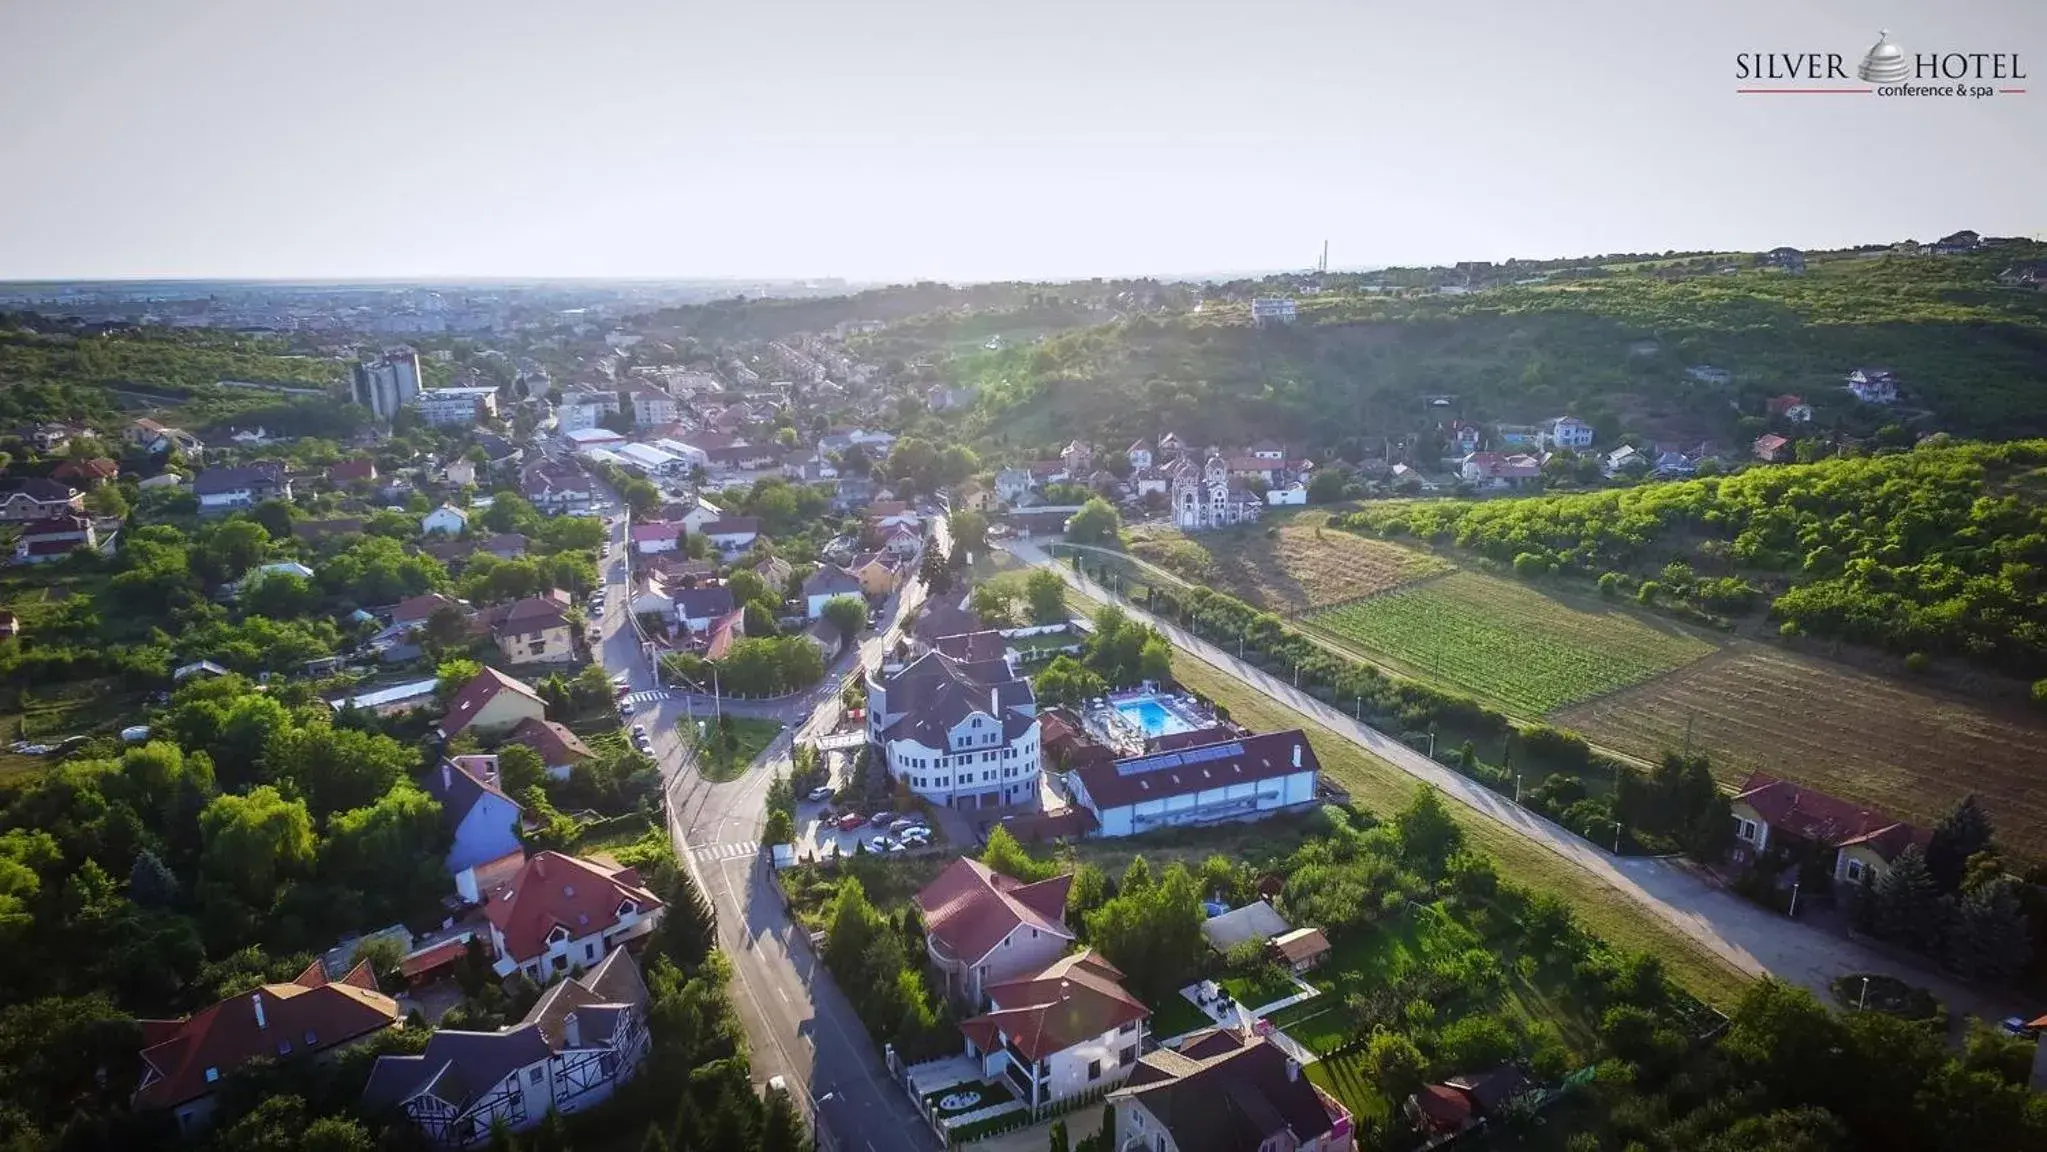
[798, 1024]
[1752, 939]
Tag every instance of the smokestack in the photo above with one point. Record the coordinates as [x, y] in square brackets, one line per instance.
[572, 1031]
[257, 1001]
[1297, 754]
[1293, 1070]
[447, 776]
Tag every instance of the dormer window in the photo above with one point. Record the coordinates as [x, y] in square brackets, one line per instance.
[559, 935]
[312, 1038]
[627, 908]
[212, 1074]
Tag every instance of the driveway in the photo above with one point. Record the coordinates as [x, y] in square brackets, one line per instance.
[1753, 939]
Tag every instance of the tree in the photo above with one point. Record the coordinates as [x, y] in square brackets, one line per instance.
[846, 613]
[1066, 681]
[1155, 660]
[1045, 593]
[1095, 523]
[453, 675]
[994, 602]
[781, 828]
[1327, 487]
[151, 883]
[1962, 833]
[1478, 1041]
[1005, 855]
[1906, 902]
[1394, 1064]
[781, 1128]
[969, 531]
[1428, 835]
[1152, 931]
[1992, 936]
[1059, 1141]
[336, 769]
[935, 570]
[252, 842]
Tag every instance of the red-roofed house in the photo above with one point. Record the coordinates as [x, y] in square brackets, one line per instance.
[1790, 407]
[183, 1061]
[1769, 812]
[651, 537]
[1771, 448]
[560, 749]
[1063, 1030]
[982, 928]
[360, 470]
[88, 473]
[491, 702]
[560, 912]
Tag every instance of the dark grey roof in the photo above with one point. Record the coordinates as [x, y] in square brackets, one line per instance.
[261, 474]
[935, 692]
[595, 999]
[41, 488]
[830, 582]
[1235, 1100]
[456, 1066]
[458, 791]
[695, 603]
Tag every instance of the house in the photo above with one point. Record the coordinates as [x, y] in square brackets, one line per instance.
[1012, 483]
[1854, 844]
[1268, 310]
[1789, 259]
[1227, 1091]
[1078, 457]
[1257, 921]
[1170, 447]
[482, 821]
[1464, 1102]
[1287, 495]
[722, 633]
[823, 585]
[585, 1036]
[1465, 437]
[447, 520]
[826, 636]
[360, 470]
[901, 542]
[732, 534]
[983, 929]
[534, 630]
[652, 407]
[1567, 433]
[1874, 385]
[1248, 778]
[2030, 274]
[775, 573]
[1957, 243]
[556, 487]
[580, 408]
[158, 439]
[1772, 448]
[414, 610]
[1063, 1030]
[559, 749]
[698, 608]
[1708, 374]
[160, 480]
[1139, 454]
[491, 702]
[879, 573]
[460, 473]
[184, 1061]
[1301, 949]
[1494, 470]
[224, 490]
[1670, 463]
[53, 538]
[699, 514]
[960, 735]
[88, 473]
[655, 536]
[37, 498]
[1789, 407]
[557, 912]
[1209, 497]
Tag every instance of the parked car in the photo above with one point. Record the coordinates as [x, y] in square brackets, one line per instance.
[625, 707]
[902, 823]
[2017, 1026]
[850, 821]
[882, 819]
[821, 792]
[915, 838]
[882, 844]
[639, 731]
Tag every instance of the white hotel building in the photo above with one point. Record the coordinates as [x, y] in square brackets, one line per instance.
[958, 733]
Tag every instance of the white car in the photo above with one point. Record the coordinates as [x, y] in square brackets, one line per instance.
[625, 707]
[639, 731]
[821, 792]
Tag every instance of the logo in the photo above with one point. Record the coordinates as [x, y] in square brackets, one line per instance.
[1886, 70]
[1885, 63]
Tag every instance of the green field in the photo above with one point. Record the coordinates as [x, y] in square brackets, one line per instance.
[1507, 644]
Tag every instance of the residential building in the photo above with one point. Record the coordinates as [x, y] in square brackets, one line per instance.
[492, 702]
[1248, 778]
[1066, 1029]
[87, 474]
[1789, 407]
[1078, 458]
[413, 611]
[224, 490]
[1442, 1110]
[457, 407]
[585, 1036]
[1287, 495]
[534, 630]
[556, 488]
[983, 929]
[184, 1061]
[823, 585]
[699, 608]
[1494, 470]
[1772, 448]
[652, 537]
[1567, 432]
[37, 498]
[1139, 454]
[1208, 497]
[1300, 950]
[961, 735]
[560, 749]
[384, 384]
[1874, 385]
[1465, 437]
[1957, 243]
[577, 409]
[482, 821]
[700, 513]
[652, 407]
[1257, 921]
[447, 520]
[53, 539]
[1227, 1091]
[559, 912]
[902, 543]
[1789, 259]
[460, 473]
[1854, 844]
[1267, 310]
[732, 534]
[1012, 483]
[775, 573]
[159, 439]
[359, 470]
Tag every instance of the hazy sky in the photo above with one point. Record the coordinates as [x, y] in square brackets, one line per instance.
[957, 139]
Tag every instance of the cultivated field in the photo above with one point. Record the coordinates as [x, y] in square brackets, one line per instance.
[1301, 567]
[1505, 643]
[1899, 748]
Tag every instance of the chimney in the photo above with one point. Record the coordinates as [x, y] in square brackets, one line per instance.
[257, 1001]
[1297, 754]
[1293, 1070]
[447, 775]
[572, 1031]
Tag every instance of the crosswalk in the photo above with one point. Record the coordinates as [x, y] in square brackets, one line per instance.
[651, 696]
[710, 853]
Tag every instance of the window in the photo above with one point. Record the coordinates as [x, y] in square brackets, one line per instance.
[284, 1047]
[1094, 1069]
[1748, 831]
[312, 1038]
[534, 1074]
[1127, 1029]
[627, 908]
[1128, 1057]
[212, 1074]
[590, 951]
[1855, 870]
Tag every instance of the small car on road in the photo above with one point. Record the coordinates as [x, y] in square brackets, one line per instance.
[821, 792]
[625, 707]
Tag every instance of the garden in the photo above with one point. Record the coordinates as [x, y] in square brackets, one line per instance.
[726, 745]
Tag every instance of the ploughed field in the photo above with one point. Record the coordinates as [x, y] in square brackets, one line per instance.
[1510, 645]
[1900, 748]
[1300, 567]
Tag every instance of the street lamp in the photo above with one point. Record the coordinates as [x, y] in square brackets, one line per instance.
[1793, 911]
[1862, 1002]
[1616, 837]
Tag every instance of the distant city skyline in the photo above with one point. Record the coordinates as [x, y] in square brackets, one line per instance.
[909, 139]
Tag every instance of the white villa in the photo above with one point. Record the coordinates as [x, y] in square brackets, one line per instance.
[960, 734]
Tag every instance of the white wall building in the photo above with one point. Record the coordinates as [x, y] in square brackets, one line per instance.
[460, 407]
[386, 383]
[1243, 779]
[1059, 1032]
[964, 735]
[579, 408]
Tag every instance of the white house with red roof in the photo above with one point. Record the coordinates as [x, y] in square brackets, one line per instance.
[1244, 778]
[1063, 1030]
[982, 928]
[559, 912]
[1856, 844]
[184, 1061]
[492, 702]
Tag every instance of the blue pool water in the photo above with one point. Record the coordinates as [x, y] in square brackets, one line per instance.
[1154, 718]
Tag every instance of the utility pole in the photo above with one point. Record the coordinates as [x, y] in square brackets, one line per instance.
[1689, 717]
[1793, 913]
[1616, 837]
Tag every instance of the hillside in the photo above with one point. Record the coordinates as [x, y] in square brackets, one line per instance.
[1940, 550]
[1610, 346]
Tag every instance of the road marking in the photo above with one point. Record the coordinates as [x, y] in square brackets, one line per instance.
[714, 852]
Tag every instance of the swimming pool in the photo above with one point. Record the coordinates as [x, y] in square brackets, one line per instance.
[1153, 718]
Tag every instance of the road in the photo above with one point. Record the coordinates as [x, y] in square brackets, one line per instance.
[798, 1024]
[1753, 939]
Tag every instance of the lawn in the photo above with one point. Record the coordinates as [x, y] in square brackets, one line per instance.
[1291, 567]
[992, 1093]
[1508, 644]
[1259, 988]
[1177, 1014]
[1906, 749]
[719, 760]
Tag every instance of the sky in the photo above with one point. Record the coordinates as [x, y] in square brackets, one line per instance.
[974, 139]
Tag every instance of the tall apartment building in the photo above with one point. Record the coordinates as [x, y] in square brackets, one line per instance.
[386, 383]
